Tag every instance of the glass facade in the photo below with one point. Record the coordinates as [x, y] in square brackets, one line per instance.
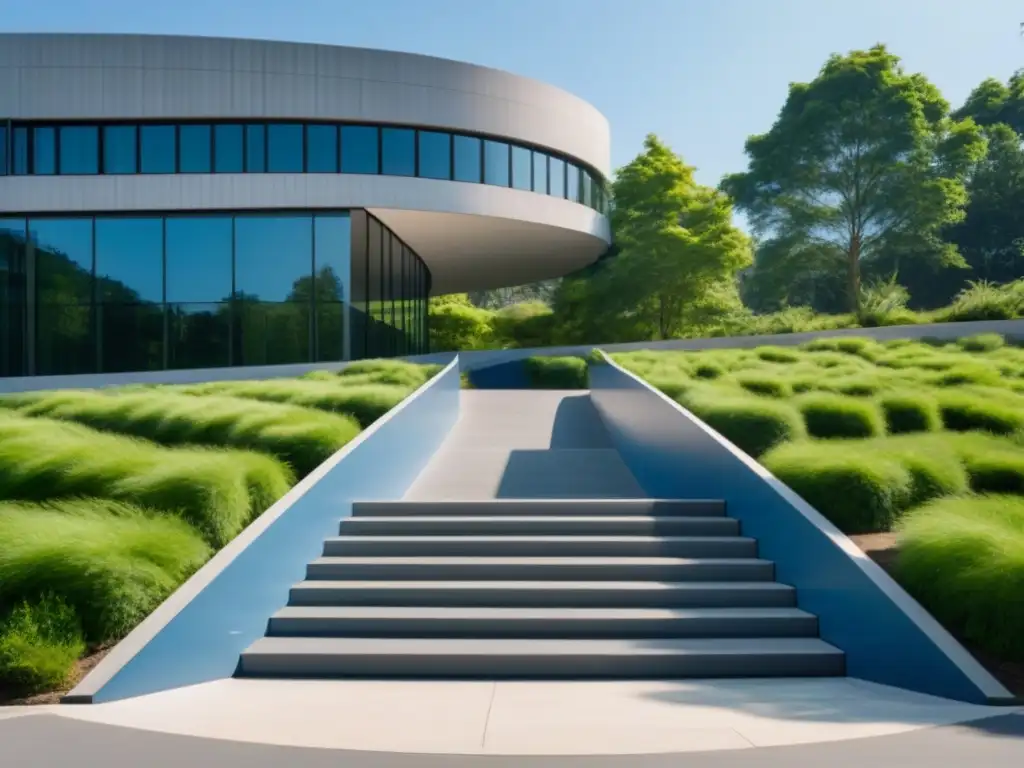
[99, 294]
[292, 147]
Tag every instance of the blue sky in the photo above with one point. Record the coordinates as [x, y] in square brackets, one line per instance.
[702, 74]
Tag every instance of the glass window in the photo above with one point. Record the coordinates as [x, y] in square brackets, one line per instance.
[358, 286]
[588, 195]
[255, 148]
[19, 151]
[157, 144]
[540, 173]
[359, 149]
[332, 250]
[284, 148]
[522, 167]
[556, 177]
[3, 151]
[496, 163]
[195, 148]
[322, 148]
[227, 149]
[572, 182]
[198, 259]
[13, 299]
[398, 147]
[79, 150]
[119, 149]
[435, 155]
[198, 335]
[44, 150]
[467, 159]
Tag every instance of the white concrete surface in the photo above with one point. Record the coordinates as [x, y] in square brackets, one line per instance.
[533, 718]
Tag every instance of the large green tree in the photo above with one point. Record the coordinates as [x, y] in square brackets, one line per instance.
[864, 162]
[992, 102]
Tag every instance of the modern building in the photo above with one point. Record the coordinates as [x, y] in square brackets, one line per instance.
[184, 202]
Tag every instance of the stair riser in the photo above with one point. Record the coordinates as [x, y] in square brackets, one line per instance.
[427, 571]
[498, 527]
[539, 598]
[584, 507]
[543, 628]
[357, 546]
[556, 666]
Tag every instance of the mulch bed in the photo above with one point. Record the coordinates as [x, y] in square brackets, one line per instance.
[82, 668]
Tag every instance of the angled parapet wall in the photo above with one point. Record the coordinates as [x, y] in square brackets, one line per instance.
[887, 636]
[198, 633]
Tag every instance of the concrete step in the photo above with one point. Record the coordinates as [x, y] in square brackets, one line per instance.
[540, 546]
[559, 622]
[508, 658]
[542, 508]
[464, 525]
[543, 594]
[573, 569]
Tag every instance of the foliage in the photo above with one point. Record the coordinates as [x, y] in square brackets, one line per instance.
[755, 426]
[828, 415]
[557, 372]
[456, 324]
[39, 645]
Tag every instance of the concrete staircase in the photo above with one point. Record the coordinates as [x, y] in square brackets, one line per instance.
[541, 589]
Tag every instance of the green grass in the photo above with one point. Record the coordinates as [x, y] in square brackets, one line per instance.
[557, 372]
[39, 645]
[827, 415]
[755, 426]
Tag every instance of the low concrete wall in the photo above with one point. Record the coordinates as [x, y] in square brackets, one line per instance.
[197, 634]
[887, 636]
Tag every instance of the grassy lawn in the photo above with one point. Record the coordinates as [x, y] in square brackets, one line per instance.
[113, 497]
[915, 449]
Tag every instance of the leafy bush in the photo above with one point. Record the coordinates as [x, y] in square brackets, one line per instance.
[995, 465]
[764, 384]
[39, 645]
[982, 342]
[828, 415]
[967, 374]
[985, 301]
[557, 372]
[217, 491]
[855, 386]
[396, 372]
[910, 412]
[708, 370]
[963, 559]
[301, 436]
[963, 412]
[753, 425]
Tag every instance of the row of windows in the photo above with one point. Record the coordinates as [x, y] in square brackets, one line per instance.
[159, 148]
[124, 293]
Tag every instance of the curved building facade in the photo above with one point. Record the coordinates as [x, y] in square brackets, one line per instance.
[178, 202]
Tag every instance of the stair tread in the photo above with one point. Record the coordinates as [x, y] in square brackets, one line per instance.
[540, 561]
[538, 539]
[387, 646]
[547, 613]
[659, 519]
[326, 584]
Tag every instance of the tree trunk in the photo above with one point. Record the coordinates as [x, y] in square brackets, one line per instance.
[853, 273]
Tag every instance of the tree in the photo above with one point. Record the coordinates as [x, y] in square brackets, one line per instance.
[991, 103]
[676, 242]
[864, 160]
[456, 324]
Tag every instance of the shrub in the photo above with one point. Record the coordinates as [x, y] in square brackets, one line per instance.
[673, 385]
[982, 342]
[995, 465]
[217, 491]
[301, 436]
[848, 345]
[39, 645]
[111, 563]
[396, 372]
[910, 412]
[708, 370]
[764, 384]
[828, 415]
[985, 301]
[557, 372]
[967, 374]
[964, 412]
[855, 386]
[777, 354]
[963, 559]
[752, 425]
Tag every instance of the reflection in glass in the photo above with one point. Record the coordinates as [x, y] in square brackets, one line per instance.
[79, 150]
[435, 155]
[227, 149]
[195, 148]
[467, 159]
[572, 182]
[198, 335]
[588, 197]
[129, 260]
[556, 177]
[359, 149]
[322, 149]
[13, 297]
[255, 148]
[496, 163]
[274, 257]
[157, 145]
[271, 333]
[398, 152]
[44, 151]
[284, 148]
[3, 150]
[130, 336]
[522, 167]
[330, 330]
[119, 146]
[540, 173]
[19, 152]
[332, 251]
[198, 258]
[64, 339]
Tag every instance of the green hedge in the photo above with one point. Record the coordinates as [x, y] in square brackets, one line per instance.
[557, 372]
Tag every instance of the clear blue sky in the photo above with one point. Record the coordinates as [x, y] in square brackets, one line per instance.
[703, 74]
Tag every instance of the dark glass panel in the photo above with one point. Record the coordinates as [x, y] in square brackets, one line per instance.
[198, 259]
[435, 155]
[359, 149]
[129, 260]
[333, 241]
[227, 149]
[13, 298]
[44, 151]
[556, 177]
[271, 333]
[496, 163]
[274, 257]
[158, 151]
[3, 150]
[196, 148]
[198, 335]
[522, 167]
[358, 322]
[572, 182]
[60, 258]
[322, 148]
[255, 148]
[19, 152]
[64, 339]
[374, 298]
[131, 337]
[80, 150]
[467, 159]
[540, 173]
[398, 149]
[120, 143]
[284, 148]
[588, 194]
[330, 330]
